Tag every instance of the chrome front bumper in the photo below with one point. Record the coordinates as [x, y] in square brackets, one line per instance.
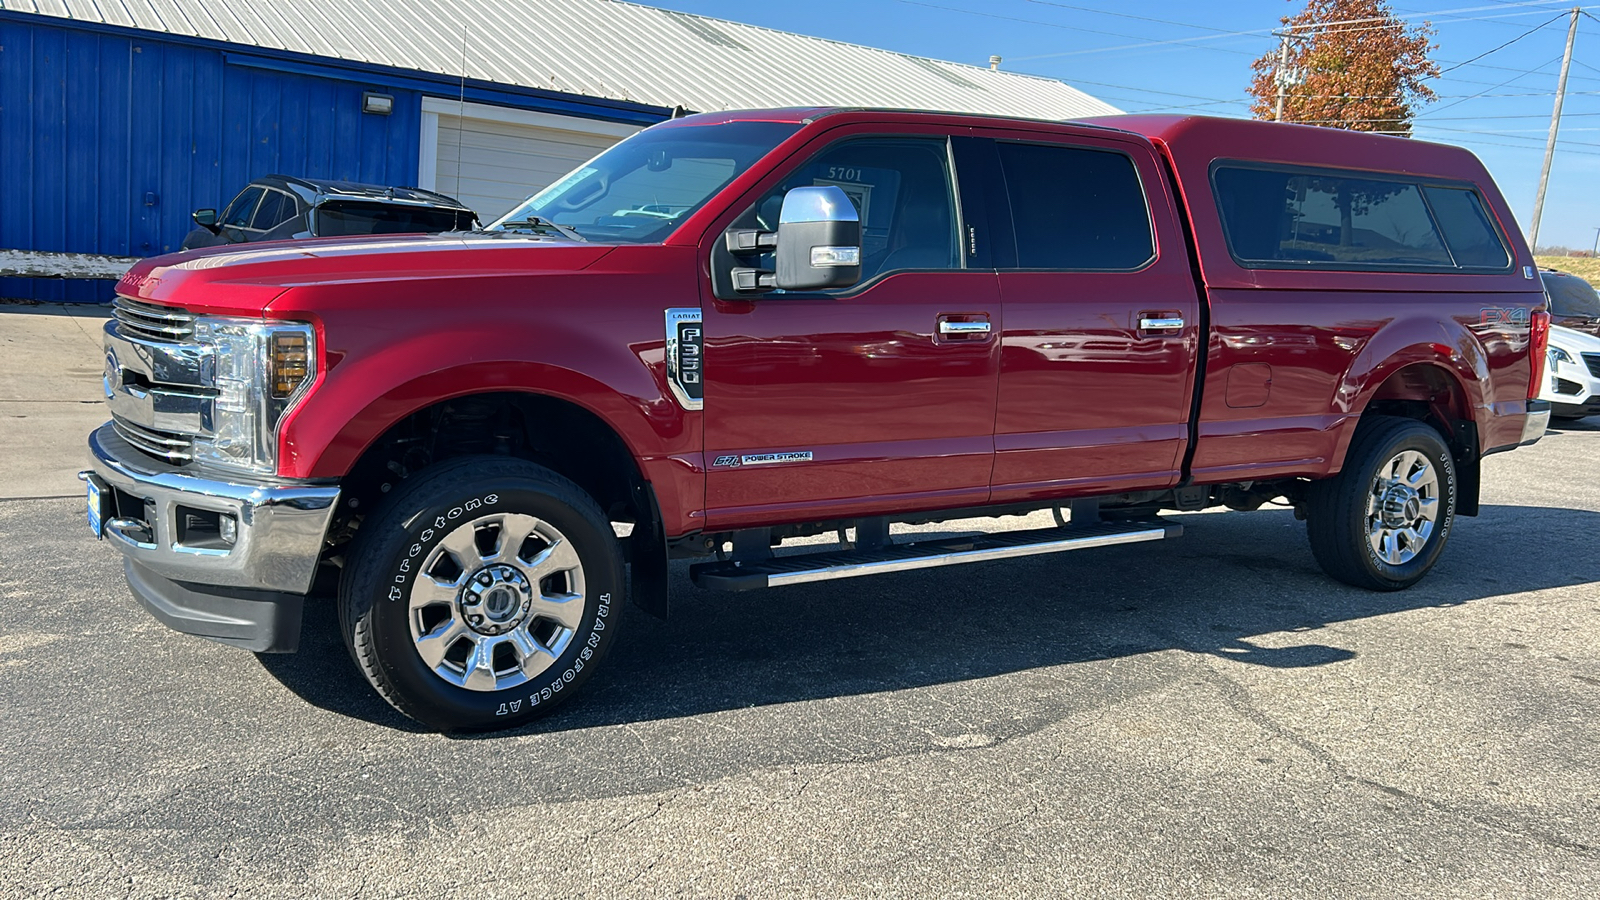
[280, 526]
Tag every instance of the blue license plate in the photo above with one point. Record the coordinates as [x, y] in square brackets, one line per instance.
[96, 509]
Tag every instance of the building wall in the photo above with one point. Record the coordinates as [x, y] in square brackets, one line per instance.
[108, 142]
[110, 137]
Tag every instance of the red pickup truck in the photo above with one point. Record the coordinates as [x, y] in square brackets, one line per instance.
[737, 329]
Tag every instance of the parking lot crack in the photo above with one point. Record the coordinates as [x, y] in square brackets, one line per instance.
[1239, 700]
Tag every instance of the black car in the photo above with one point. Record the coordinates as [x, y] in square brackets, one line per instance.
[282, 207]
[1573, 301]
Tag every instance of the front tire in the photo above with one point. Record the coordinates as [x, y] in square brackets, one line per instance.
[1382, 522]
[481, 593]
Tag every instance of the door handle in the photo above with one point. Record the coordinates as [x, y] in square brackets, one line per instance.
[1163, 323]
[948, 327]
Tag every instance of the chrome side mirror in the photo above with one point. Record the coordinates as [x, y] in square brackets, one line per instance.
[819, 240]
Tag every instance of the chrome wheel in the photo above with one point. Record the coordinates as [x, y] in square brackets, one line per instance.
[1402, 507]
[496, 601]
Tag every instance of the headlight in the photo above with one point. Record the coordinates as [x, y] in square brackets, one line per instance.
[1558, 355]
[259, 370]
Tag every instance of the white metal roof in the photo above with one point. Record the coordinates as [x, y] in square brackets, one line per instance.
[600, 48]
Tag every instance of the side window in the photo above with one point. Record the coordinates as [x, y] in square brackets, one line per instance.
[903, 191]
[1310, 218]
[1074, 208]
[243, 207]
[275, 207]
[1472, 239]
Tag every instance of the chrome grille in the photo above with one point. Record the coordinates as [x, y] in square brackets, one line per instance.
[174, 448]
[162, 323]
[1592, 360]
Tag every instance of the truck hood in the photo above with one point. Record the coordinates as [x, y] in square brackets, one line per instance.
[242, 280]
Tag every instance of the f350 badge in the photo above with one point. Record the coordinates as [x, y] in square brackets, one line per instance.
[686, 357]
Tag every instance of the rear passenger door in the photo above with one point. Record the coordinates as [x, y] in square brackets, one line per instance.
[1101, 316]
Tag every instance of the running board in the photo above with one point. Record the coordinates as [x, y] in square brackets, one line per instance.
[747, 575]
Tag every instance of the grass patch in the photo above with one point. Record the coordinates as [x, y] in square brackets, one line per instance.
[1586, 268]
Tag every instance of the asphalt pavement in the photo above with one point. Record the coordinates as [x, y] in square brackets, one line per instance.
[1203, 717]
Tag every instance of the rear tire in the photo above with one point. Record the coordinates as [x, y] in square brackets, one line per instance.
[1382, 522]
[481, 593]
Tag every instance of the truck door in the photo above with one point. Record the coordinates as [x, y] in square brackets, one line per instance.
[874, 398]
[1102, 317]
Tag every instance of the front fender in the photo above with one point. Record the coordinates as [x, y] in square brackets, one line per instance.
[622, 383]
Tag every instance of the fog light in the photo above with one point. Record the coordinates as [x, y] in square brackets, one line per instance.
[228, 528]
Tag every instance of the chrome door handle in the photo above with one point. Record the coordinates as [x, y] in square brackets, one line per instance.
[963, 327]
[1162, 324]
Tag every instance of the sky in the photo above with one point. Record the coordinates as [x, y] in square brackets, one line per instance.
[1501, 60]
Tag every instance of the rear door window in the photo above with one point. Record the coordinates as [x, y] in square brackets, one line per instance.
[1076, 208]
[275, 207]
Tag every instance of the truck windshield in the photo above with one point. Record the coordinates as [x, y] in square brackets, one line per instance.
[638, 191]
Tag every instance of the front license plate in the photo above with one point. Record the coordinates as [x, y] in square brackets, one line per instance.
[97, 507]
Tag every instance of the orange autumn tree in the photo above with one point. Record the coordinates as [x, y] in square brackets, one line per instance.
[1351, 64]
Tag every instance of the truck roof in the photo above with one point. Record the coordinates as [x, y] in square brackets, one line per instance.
[1202, 139]
[1191, 139]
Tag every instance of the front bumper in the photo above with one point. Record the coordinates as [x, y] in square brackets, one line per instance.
[273, 559]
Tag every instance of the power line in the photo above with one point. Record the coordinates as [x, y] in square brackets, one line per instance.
[1501, 84]
[1511, 69]
[1477, 143]
[1539, 27]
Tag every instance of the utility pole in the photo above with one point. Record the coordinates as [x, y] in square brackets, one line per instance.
[1555, 126]
[1596, 251]
[1282, 75]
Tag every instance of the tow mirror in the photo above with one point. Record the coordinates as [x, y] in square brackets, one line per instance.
[819, 240]
[207, 219]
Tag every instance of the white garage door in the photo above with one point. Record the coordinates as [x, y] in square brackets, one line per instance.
[492, 158]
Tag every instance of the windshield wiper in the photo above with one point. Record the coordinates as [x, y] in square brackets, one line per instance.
[536, 223]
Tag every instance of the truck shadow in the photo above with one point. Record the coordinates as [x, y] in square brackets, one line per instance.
[1230, 580]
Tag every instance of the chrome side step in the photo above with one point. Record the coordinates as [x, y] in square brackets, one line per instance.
[747, 575]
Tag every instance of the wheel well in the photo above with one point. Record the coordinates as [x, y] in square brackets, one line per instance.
[1424, 392]
[1429, 393]
[559, 435]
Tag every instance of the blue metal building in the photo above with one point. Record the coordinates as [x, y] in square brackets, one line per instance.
[119, 118]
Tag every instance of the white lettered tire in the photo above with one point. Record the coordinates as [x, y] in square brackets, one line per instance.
[1382, 522]
[481, 593]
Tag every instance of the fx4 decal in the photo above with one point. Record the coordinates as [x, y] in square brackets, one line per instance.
[1504, 315]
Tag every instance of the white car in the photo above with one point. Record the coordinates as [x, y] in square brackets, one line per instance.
[1572, 377]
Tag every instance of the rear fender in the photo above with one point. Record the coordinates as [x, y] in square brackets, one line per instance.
[1445, 345]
